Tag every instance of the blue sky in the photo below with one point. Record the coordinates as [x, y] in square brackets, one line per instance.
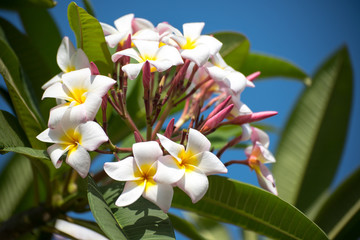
[304, 32]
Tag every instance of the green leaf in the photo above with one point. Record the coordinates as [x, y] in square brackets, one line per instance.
[185, 227]
[90, 37]
[11, 133]
[140, 220]
[340, 215]
[15, 179]
[26, 111]
[270, 66]
[235, 48]
[252, 208]
[46, 38]
[20, 4]
[311, 145]
[88, 7]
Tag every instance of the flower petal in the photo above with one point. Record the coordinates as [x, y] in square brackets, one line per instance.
[194, 183]
[212, 43]
[114, 39]
[124, 23]
[79, 60]
[56, 114]
[161, 65]
[265, 179]
[132, 70]
[160, 194]
[79, 159]
[124, 170]
[92, 135]
[132, 192]
[140, 24]
[51, 135]
[237, 81]
[64, 53]
[55, 79]
[200, 54]
[173, 148]
[108, 29]
[170, 53]
[130, 52]
[91, 106]
[197, 142]
[209, 163]
[168, 170]
[193, 30]
[55, 152]
[147, 49]
[258, 135]
[55, 90]
[77, 80]
[146, 153]
[77, 231]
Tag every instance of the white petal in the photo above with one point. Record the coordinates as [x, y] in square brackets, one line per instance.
[56, 90]
[108, 29]
[146, 34]
[217, 73]
[147, 48]
[55, 79]
[64, 53]
[91, 105]
[212, 43]
[80, 60]
[124, 170]
[197, 142]
[146, 153]
[209, 163]
[141, 23]
[100, 85]
[194, 183]
[246, 132]
[132, 70]
[56, 114]
[193, 30]
[168, 170]
[114, 39]
[259, 135]
[132, 192]
[92, 135]
[55, 152]
[200, 54]
[130, 52]
[266, 156]
[170, 53]
[219, 61]
[161, 65]
[160, 194]
[266, 179]
[173, 148]
[77, 231]
[79, 159]
[51, 135]
[179, 39]
[124, 23]
[77, 80]
[237, 81]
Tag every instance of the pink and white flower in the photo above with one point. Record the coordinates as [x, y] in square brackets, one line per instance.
[139, 172]
[190, 166]
[160, 58]
[68, 59]
[82, 92]
[74, 139]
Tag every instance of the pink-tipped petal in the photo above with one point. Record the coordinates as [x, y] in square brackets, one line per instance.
[123, 170]
[258, 135]
[265, 179]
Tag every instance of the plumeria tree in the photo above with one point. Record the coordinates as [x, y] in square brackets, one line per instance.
[164, 104]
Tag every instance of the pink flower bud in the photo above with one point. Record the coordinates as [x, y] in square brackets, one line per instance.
[170, 128]
[254, 75]
[219, 107]
[146, 75]
[214, 121]
[253, 117]
[94, 69]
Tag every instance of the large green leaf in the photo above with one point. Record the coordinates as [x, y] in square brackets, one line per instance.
[90, 37]
[26, 111]
[140, 220]
[340, 215]
[311, 145]
[235, 48]
[185, 227]
[20, 4]
[252, 208]
[270, 66]
[11, 134]
[15, 179]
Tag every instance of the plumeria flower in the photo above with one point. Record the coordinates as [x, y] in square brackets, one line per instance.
[69, 59]
[160, 58]
[194, 46]
[82, 92]
[76, 231]
[139, 172]
[258, 155]
[125, 25]
[74, 139]
[223, 73]
[191, 165]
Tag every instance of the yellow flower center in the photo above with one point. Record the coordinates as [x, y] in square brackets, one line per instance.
[190, 44]
[78, 95]
[187, 160]
[70, 68]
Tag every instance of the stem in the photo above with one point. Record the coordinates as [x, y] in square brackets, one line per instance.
[162, 120]
[244, 162]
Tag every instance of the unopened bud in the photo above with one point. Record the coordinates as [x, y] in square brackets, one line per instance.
[219, 107]
[214, 121]
[170, 128]
[94, 69]
[253, 117]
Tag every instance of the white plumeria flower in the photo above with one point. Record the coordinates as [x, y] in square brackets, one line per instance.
[191, 165]
[258, 155]
[223, 73]
[139, 172]
[77, 231]
[125, 25]
[194, 46]
[82, 92]
[160, 59]
[68, 59]
[74, 139]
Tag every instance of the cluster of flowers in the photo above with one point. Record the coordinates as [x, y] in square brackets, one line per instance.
[201, 80]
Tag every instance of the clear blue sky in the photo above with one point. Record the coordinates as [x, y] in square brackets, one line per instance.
[304, 32]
